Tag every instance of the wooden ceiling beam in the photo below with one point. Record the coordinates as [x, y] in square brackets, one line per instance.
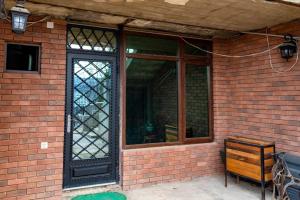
[137, 18]
[289, 3]
[132, 19]
[69, 13]
[80, 15]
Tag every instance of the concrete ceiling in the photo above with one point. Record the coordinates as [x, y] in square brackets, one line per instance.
[201, 17]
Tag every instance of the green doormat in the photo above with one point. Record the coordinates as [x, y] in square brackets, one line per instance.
[101, 196]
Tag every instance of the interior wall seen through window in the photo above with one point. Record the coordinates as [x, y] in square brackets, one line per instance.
[151, 101]
[197, 101]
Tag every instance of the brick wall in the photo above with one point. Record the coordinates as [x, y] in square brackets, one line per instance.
[262, 103]
[249, 99]
[144, 167]
[32, 111]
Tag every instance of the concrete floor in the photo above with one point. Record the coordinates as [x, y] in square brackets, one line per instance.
[204, 188]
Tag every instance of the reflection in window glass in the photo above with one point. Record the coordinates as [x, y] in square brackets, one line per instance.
[151, 104]
[197, 104]
[149, 45]
[190, 50]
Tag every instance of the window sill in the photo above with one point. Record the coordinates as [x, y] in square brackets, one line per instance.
[190, 142]
[9, 71]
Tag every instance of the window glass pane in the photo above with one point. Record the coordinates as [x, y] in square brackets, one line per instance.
[149, 45]
[91, 39]
[191, 50]
[151, 104]
[197, 105]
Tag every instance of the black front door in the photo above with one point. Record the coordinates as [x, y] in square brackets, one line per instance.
[90, 137]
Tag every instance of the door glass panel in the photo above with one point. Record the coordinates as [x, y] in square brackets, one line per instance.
[197, 104]
[91, 108]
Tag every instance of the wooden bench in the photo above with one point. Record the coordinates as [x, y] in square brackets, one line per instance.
[249, 158]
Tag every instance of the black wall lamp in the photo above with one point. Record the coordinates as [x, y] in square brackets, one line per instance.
[19, 16]
[288, 47]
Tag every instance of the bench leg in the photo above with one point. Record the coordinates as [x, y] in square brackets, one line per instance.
[237, 179]
[263, 191]
[226, 178]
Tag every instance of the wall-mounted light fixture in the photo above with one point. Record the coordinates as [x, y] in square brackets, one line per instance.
[19, 16]
[288, 47]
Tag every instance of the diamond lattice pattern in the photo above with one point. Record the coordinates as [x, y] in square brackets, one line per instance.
[91, 109]
[91, 40]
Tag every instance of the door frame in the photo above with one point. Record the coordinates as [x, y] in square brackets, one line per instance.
[92, 55]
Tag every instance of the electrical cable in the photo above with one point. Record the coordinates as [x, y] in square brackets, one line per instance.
[38, 21]
[211, 52]
[230, 56]
[8, 18]
[265, 34]
[270, 57]
[250, 55]
[33, 22]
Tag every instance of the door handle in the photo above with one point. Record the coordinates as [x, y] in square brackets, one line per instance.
[68, 123]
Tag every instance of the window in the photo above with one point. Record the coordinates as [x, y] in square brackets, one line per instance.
[151, 115]
[149, 45]
[196, 101]
[167, 96]
[22, 57]
[88, 39]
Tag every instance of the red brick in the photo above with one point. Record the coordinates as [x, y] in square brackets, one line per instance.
[249, 99]
[23, 117]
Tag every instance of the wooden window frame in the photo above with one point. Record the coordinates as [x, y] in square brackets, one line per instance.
[38, 71]
[182, 60]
